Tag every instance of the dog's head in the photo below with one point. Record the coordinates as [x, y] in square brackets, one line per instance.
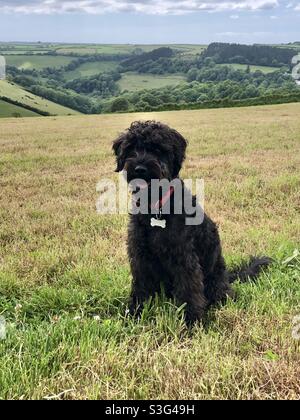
[150, 150]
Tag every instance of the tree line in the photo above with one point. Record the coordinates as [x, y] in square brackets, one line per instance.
[212, 84]
[263, 55]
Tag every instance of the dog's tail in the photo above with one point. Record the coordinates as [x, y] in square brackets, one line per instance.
[251, 270]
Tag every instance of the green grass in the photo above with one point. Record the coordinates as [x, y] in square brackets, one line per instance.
[16, 93]
[90, 69]
[37, 62]
[263, 69]
[8, 110]
[134, 81]
[62, 264]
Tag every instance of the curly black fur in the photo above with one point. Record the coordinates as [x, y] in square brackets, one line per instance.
[186, 260]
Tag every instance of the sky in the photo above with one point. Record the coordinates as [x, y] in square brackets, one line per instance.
[150, 21]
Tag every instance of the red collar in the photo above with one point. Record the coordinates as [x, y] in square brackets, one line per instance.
[161, 203]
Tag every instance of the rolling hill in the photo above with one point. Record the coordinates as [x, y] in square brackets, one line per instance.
[132, 81]
[8, 110]
[37, 62]
[263, 69]
[91, 69]
[36, 104]
[93, 78]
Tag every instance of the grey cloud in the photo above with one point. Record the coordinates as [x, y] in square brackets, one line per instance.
[141, 6]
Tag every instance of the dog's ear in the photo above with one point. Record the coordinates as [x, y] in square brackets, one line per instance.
[179, 149]
[117, 148]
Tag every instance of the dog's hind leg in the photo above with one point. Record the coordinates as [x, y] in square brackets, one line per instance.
[217, 285]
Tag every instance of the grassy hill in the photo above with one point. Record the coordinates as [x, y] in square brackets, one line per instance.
[90, 69]
[134, 68]
[65, 279]
[9, 110]
[132, 81]
[37, 62]
[263, 69]
[18, 94]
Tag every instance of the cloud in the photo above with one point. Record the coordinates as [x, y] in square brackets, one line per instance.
[235, 17]
[159, 7]
[294, 6]
[242, 34]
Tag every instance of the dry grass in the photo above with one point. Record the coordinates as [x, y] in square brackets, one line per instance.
[59, 259]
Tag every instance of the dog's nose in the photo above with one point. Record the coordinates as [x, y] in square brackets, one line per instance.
[140, 170]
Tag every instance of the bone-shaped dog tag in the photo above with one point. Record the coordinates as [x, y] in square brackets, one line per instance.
[158, 223]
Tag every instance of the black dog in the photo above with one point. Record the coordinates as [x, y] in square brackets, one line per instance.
[163, 250]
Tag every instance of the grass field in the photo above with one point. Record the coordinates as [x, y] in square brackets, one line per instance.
[134, 81]
[295, 46]
[24, 48]
[90, 69]
[125, 48]
[61, 264]
[16, 93]
[86, 49]
[263, 69]
[8, 110]
[37, 62]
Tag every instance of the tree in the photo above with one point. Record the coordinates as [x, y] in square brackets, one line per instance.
[119, 105]
[192, 74]
[209, 62]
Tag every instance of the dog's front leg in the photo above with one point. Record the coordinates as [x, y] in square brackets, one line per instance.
[145, 284]
[189, 289]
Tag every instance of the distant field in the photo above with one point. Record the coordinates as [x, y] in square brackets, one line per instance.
[295, 46]
[94, 49]
[65, 278]
[90, 69]
[16, 52]
[37, 62]
[263, 69]
[135, 81]
[8, 110]
[124, 49]
[83, 49]
[189, 49]
[18, 94]
[20, 48]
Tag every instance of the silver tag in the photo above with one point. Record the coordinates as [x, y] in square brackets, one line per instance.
[158, 223]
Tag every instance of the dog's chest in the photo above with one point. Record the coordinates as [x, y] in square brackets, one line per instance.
[163, 243]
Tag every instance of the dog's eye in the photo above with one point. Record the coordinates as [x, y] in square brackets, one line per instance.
[131, 154]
